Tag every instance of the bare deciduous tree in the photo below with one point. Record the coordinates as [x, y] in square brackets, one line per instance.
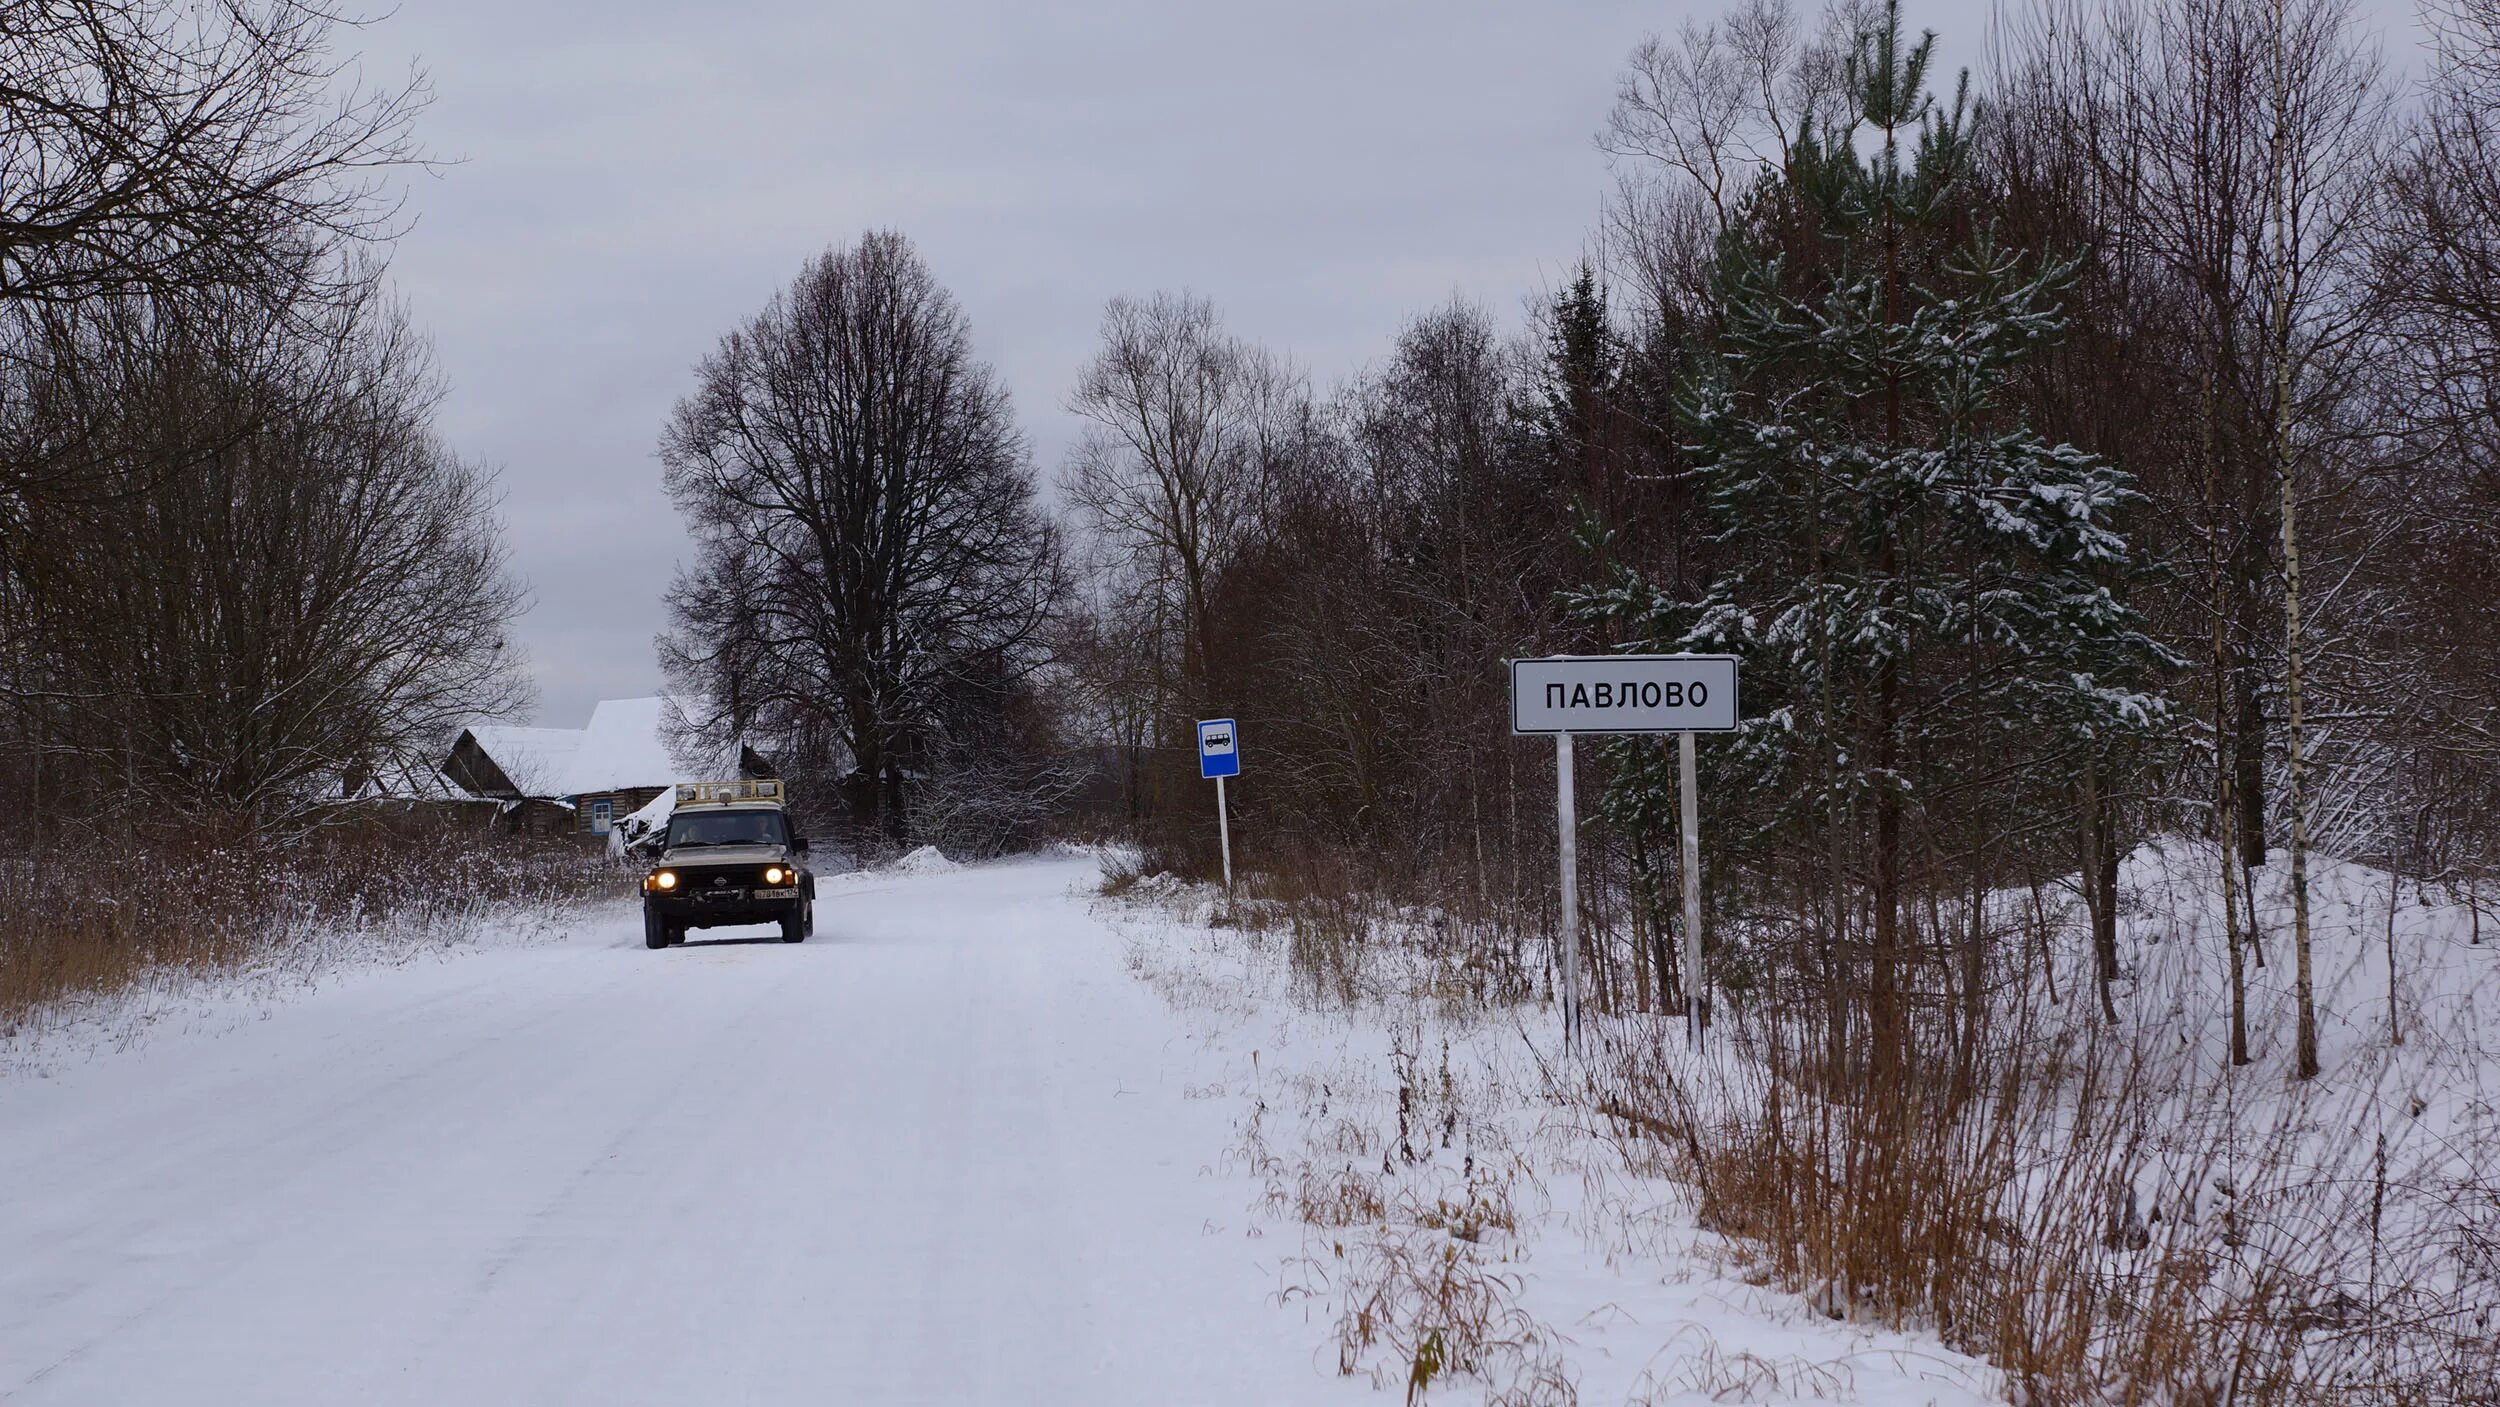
[157, 148]
[1726, 99]
[151, 144]
[871, 553]
[287, 583]
[1187, 428]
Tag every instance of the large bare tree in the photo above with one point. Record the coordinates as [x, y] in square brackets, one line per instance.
[282, 580]
[874, 574]
[160, 148]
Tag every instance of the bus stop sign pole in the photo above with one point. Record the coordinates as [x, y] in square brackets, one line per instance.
[1224, 833]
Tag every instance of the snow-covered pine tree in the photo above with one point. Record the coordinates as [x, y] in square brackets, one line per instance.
[1917, 581]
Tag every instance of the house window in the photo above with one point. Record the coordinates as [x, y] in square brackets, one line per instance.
[601, 812]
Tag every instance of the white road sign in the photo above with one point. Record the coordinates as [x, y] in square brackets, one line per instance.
[1623, 694]
[1570, 694]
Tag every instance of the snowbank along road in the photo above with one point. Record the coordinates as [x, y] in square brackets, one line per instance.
[938, 1154]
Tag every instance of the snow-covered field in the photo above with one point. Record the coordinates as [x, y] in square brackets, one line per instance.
[1450, 1197]
[1425, 1194]
[950, 1151]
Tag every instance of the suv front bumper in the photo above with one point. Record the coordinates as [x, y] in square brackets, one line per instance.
[714, 907]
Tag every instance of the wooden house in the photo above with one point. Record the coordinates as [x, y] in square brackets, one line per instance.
[521, 769]
[582, 781]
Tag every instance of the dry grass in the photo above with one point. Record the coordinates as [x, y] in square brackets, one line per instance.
[2096, 1213]
[1411, 1206]
[1355, 932]
[101, 912]
[1705, 1369]
[2082, 1219]
[1437, 1306]
[1420, 1281]
[1121, 870]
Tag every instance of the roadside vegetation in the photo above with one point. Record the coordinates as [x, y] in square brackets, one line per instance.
[101, 921]
[246, 593]
[2104, 1215]
[2088, 456]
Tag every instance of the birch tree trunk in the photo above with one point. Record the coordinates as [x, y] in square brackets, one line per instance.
[2296, 791]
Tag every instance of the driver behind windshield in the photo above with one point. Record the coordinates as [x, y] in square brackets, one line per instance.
[726, 828]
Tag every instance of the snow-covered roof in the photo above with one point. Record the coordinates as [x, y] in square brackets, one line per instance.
[655, 812]
[399, 779]
[537, 761]
[623, 748]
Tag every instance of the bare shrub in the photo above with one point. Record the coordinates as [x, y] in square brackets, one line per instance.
[1121, 870]
[105, 911]
[2105, 1219]
[1439, 1309]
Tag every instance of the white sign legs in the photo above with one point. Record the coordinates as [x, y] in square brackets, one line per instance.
[1567, 833]
[1682, 694]
[1224, 830]
[1692, 891]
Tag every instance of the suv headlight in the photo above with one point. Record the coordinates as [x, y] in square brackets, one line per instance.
[661, 879]
[775, 875]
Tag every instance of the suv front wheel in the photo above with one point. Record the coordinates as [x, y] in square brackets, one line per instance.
[655, 929]
[797, 924]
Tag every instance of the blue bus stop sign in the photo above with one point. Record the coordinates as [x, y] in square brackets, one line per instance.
[1219, 748]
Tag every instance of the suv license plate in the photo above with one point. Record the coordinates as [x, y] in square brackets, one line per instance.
[776, 894]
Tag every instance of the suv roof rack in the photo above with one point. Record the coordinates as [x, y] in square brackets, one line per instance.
[726, 793]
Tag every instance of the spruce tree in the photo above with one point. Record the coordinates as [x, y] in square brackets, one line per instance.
[1913, 577]
[1569, 411]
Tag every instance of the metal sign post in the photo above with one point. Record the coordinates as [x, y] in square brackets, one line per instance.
[1690, 823]
[1567, 840]
[1219, 756]
[1681, 694]
[1224, 833]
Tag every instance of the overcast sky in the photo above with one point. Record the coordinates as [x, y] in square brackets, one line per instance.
[636, 177]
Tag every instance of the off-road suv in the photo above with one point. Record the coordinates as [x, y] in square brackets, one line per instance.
[729, 856]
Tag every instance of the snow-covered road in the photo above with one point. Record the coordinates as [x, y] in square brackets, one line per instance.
[939, 1154]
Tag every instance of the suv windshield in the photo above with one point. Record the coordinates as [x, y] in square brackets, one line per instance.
[726, 828]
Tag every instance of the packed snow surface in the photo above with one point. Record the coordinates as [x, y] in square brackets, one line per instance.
[936, 1154]
[949, 1151]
